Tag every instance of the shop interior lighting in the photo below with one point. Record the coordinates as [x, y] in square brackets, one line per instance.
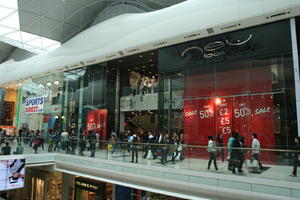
[49, 84]
[11, 33]
[218, 101]
[56, 82]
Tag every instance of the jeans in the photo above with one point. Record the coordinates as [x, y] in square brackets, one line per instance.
[212, 157]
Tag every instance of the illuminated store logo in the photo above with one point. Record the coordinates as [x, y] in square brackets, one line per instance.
[215, 49]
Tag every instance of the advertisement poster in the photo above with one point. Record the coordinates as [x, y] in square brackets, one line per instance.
[12, 174]
[34, 105]
[97, 122]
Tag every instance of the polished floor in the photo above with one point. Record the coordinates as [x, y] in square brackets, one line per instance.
[277, 172]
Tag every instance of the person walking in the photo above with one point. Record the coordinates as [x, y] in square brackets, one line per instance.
[255, 150]
[296, 156]
[150, 146]
[164, 148]
[229, 145]
[236, 154]
[220, 144]
[212, 150]
[134, 140]
[92, 140]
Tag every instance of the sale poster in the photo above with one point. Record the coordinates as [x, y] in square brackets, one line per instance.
[243, 113]
[97, 122]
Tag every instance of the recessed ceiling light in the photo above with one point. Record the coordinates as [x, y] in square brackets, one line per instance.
[56, 82]
[120, 60]
[151, 53]
[49, 84]
[141, 56]
[150, 60]
[152, 65]
[144, 66]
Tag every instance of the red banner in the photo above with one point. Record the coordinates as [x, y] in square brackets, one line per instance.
[97, 121]
[245, 114]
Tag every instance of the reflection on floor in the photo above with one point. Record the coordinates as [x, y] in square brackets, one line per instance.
[277, 172]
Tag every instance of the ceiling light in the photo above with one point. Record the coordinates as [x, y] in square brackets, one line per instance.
[4, 30]
[49, 84]
[36, 43]
[27, 36]
[9, 4]
[11, 21]
[56, 82]
[4, 12]
[15, 36]
[48, 42]
[150, 60]
[141, 56]
[152, 65]
[56, 117]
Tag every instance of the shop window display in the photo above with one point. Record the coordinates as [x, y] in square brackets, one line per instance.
[247, 87]
[41, 103]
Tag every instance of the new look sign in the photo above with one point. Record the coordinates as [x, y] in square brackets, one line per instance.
[34, 105]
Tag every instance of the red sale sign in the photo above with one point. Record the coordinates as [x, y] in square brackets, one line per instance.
[97, 122]
[243, 113]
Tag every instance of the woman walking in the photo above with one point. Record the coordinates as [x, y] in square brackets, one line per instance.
[212, 150]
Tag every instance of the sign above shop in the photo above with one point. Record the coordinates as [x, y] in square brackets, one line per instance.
[215, 49]
[243, 45]
[34, 105]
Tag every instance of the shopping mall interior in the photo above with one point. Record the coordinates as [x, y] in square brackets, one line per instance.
[149, 99]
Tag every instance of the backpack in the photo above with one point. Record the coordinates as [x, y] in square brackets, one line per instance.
[135, 139]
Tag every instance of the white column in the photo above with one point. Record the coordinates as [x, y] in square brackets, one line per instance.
[296, 69]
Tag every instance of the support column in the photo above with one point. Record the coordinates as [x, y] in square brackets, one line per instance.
[117, 109]
[67, 181]
[296, 69]
[79, 126]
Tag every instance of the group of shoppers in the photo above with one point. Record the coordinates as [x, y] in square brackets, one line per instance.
[236, 152]
[157, 144]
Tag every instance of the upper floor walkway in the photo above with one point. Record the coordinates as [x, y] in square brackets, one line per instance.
[188, 178]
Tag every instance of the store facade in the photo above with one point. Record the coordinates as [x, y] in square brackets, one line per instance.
[241, 81]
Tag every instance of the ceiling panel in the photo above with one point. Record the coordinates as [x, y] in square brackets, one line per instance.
[34, 6]
[60, 20]
[55, 13]
[5, 51]
[27, 18]
[76, 19]
[49, 24]
[50, 5]
[35, 28]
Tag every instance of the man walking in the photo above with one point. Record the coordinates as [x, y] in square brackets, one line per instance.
[255, 150]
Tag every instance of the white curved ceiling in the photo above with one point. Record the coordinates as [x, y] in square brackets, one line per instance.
[132, 33]
[41, 25]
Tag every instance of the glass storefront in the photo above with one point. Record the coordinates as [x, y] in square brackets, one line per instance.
[44, 93]
[234, 82]
[241, 81]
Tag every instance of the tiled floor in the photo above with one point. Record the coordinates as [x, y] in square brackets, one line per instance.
[277, 172]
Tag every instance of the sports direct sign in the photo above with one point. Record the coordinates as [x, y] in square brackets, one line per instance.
[34, 105]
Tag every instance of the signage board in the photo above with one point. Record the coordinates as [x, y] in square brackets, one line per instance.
[12, 174]
[34, 105]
